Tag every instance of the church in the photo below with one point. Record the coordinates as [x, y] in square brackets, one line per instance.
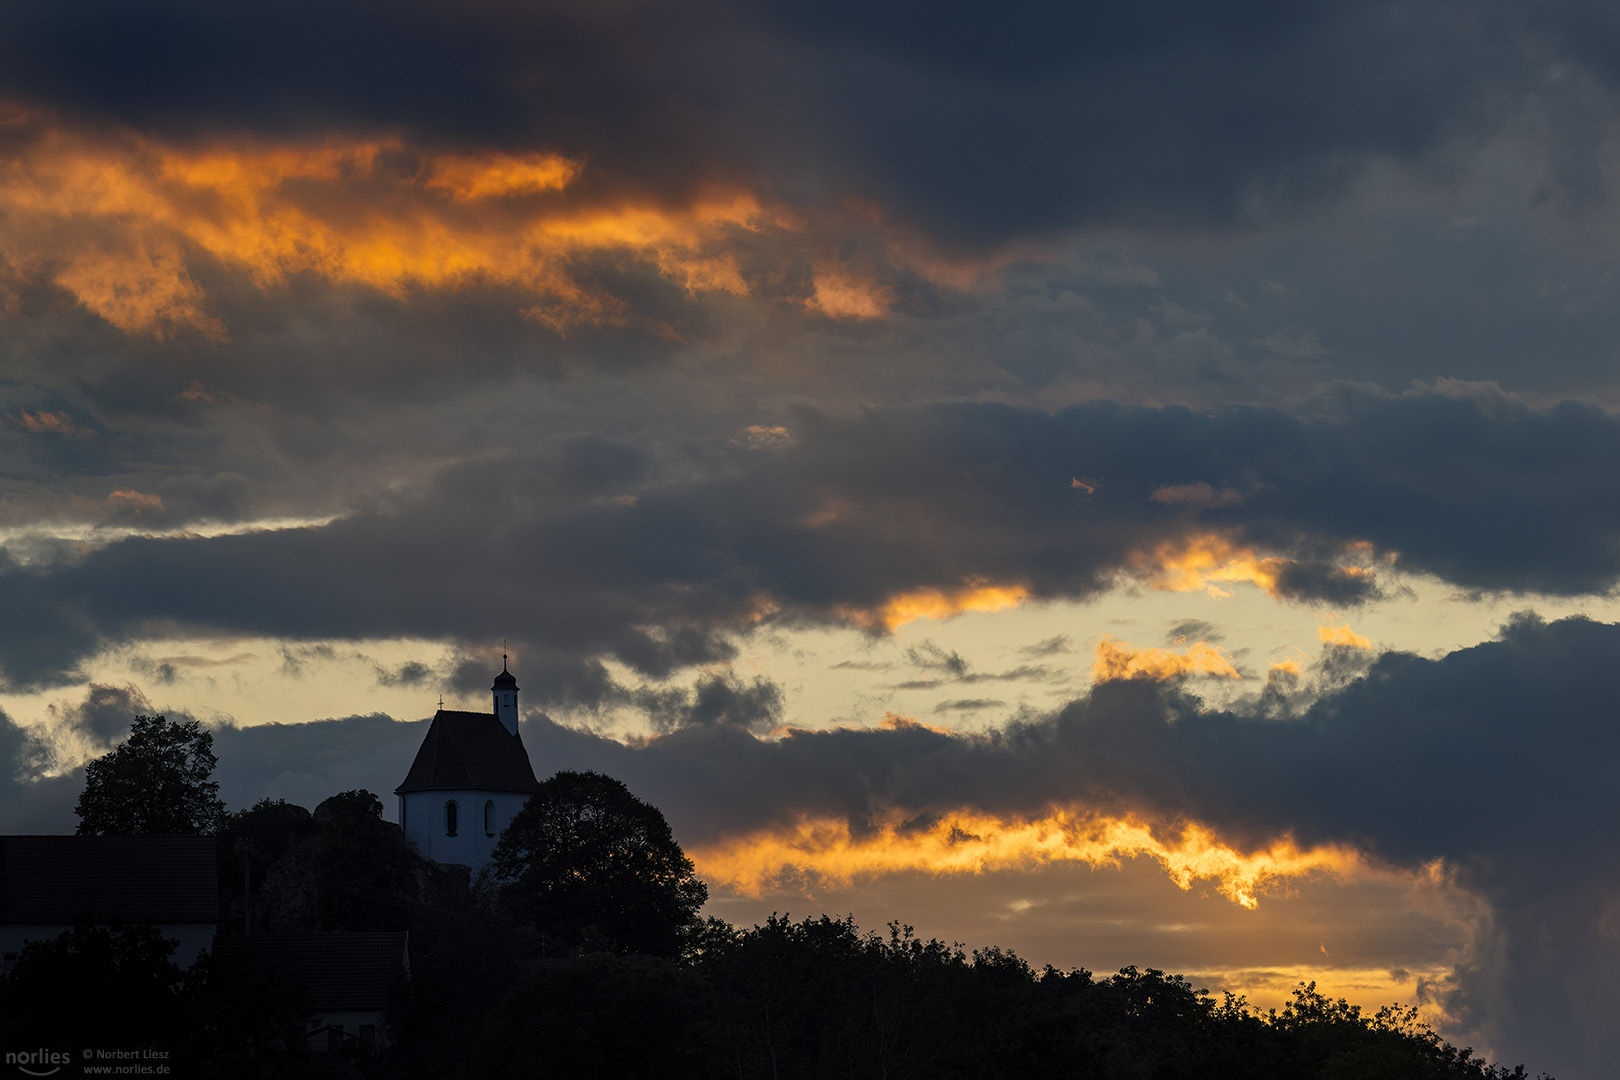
[470, 778]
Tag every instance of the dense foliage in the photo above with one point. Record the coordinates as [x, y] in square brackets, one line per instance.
[589, 864]
[820, 999]
[157, 781]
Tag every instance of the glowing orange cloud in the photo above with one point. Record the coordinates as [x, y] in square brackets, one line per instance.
[56, 423]
[936, 604]
[1199, 562]
[116, 220]
[1209, 560]
[1121, 660]
[893, 721]
[841, 295]
[761, 436]
[1341, 634]
[969, 842]
[138, 501]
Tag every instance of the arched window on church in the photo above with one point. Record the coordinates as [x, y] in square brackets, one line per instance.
[489, 818]
[450, 818]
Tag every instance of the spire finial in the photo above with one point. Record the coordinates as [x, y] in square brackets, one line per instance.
[441, 699]
[503, 654]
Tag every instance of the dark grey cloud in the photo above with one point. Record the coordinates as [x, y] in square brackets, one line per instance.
[931, 657]
[305, 763]
[1045, 117]
[1193, 630]
[723, 700]
[1052, 646]
[410, 673]
[1479, 491]
[968, 705]
[105, 713]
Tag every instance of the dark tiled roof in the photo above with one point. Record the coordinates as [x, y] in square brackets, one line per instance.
[469, 750]
[328, 971]
[51, 879]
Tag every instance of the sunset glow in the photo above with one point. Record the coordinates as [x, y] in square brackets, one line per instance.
[116, 222]
[965, 842]
[1122, 660]
[1113, 483]
[937, 604]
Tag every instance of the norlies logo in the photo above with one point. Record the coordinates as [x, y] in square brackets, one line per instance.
[38, 1062]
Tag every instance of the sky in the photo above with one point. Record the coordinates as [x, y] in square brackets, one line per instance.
[1131, 484]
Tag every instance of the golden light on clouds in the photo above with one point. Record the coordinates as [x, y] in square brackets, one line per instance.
[936, 604]
[1369, 987]
[969, 842]
[469, 177]
[893, 721]
[43, 421]
[841, 295]
[1114, 659]
[1205, 563]
[118, 220]
[1339, 633]
[138, 501]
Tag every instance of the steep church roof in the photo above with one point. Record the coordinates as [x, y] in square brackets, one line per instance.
[469, 750]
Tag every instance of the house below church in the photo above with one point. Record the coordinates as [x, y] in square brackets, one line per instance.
[46, 882]
[470, 778]
[342, 982]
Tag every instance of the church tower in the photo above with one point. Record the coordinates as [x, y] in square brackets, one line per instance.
[506, 692]
[470, 778]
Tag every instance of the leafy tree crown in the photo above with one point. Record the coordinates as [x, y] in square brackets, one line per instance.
[159, 781]
[587, 861]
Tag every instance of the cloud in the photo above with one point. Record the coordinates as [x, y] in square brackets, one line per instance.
[1052, 120]
[56, 423]
[135, 502]
[670, 580]
[1199, 494]
[1192, 630]
[722, 700]
[105, 713]
[1052, 646]
[968, 705]
[1341, 634]
[410, 673]
[930, 657]
[1122, 660]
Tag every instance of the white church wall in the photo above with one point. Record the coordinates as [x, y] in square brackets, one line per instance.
[424, 819]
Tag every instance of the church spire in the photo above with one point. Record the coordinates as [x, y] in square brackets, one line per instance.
[506, 692]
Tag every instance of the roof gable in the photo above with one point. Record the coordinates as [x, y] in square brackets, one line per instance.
[469, 751]
[330, 971]
[53, 879]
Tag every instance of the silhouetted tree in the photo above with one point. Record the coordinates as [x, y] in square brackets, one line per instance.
[158, 781]
[358, 806]
[592, 865]
[346, 869]
[93, 985]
